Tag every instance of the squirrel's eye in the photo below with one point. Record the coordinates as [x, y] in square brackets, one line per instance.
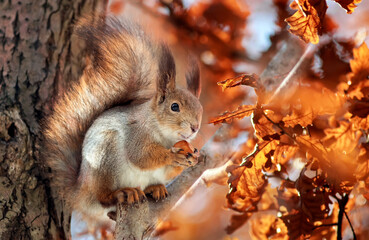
[175, 107]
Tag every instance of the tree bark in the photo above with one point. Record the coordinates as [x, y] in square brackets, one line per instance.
[37, 59]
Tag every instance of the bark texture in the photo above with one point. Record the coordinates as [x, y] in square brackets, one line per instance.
[37, 59]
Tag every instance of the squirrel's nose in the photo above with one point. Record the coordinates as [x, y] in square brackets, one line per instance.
[194, 128]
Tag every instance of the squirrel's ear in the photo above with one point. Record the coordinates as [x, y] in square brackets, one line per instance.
[167, 73]
[193, 78]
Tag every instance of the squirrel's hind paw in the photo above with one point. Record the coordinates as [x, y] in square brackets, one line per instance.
[129, 196]
[157, 192]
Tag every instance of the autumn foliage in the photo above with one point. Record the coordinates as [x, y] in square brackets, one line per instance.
[307, 22]
[324, 129]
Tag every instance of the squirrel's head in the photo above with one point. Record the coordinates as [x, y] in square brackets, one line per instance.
[179, 111]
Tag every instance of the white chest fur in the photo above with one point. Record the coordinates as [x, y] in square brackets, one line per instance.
[131, 176]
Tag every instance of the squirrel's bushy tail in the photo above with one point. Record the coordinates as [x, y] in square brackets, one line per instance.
[124, 64]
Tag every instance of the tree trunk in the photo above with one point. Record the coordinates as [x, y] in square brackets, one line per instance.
[37, 59]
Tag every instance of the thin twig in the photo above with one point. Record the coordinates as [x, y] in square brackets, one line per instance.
[280, 128]
[342, 205]
[352, 228]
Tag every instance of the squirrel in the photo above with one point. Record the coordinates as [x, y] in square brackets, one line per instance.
[110, 137]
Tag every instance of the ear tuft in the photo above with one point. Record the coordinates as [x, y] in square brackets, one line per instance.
[167, 71]
[193, 78]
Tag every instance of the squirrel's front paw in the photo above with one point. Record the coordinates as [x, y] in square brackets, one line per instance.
[185, 154]
[129, 195]
[157, 191]
[183, 159]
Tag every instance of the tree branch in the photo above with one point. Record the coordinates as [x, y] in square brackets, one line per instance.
[352, 228]
[342, 205]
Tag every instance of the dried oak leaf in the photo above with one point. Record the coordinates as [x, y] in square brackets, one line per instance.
[248, 183]
[359, 113]
[288, 197]
[302, 118]
[239, 113]
[298, 224]
[362, 170]
[268, 200]
[309, 102]
[313, 147]
[283, 153]
[246, 190]
[342, 139]
[314, 196]
[359, 108]
[349, 5]
[268, 227]
[358, 79]
[314, 206]
[360, 123]
[264, 128]
[244, 79]
[338, 166]
[307, 21]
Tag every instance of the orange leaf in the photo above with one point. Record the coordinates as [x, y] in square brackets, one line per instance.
[359, 114]
[313, 206]
[297, 118]
[263, 127]
[246, 190]
[283, 153]
[297, 224]
[360, 61]
[241, 112]
[315, 148]
[359, 108]
[309, 102]
[358, 78]
[244, 79]
[248, 183]
[362, 170]
[360, 123]
[265, 227]
[342, 139]
[349, 5]
[307, 21]
[339, 166]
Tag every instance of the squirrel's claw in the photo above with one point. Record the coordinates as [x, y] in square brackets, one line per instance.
[129, 196]
[185, 160]
[185, 154]
[157, 192]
